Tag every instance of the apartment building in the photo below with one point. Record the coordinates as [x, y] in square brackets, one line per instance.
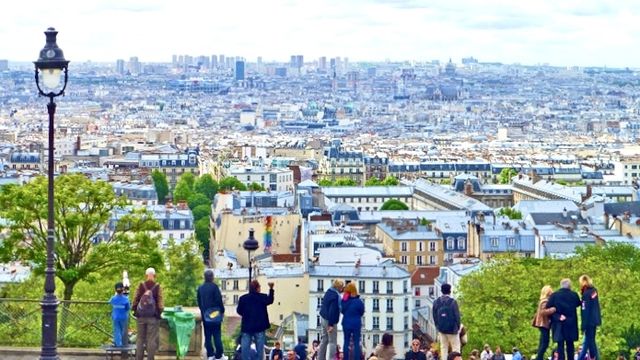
[410, 243]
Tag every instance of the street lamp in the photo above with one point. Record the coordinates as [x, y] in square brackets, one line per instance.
[251, 244]
[49, 68]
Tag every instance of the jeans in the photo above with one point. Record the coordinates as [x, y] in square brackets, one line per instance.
[543, 344]
[348, 333]
[571, 351]
[589, 344]
[213, 330]
[245, 345]
[328, 341]
[148, 329]
[120, 332]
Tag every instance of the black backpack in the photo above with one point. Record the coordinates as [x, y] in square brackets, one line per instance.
[446, 321]
[147, 304]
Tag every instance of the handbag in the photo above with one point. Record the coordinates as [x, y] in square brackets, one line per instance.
[213, 315]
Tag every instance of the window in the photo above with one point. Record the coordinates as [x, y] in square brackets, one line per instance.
[235, 285]
[419, 260]
[182, 236]
[320, 285]
[403, 259]
[361, 287]
[376, 339]
[420, 246]
[235, 299]
[417, 303]
[461, 243]
[403, 246]
[432, 291]
[389, 287]
[450, 243]
[406, 322]
[494, 242]
[416, 291]
[376, 287]
[317, 321]
[223, 285]
[511, 242]
[389, 323]
[319, 303]
[376, 304]
[406, 305]
[389, 305]
[405, 286]
[376, 323]
[432, 260]
[432, 246]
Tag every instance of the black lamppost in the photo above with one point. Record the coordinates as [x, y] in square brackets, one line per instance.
[251, 244]
[49, 68]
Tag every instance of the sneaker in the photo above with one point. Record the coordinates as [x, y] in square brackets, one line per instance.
[224, 357]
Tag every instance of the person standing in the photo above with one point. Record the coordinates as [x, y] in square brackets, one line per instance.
[590, 317]
[148, 305]
[352, 310]
[542, 320]
[486, 353]
[329, 318]
[564, 320]
[301, 349]
[119, 315]
[414, 353]
[385, 350]
[252, 307]
[209, 301]
[498, 355]
[446, 316]
[276, 352]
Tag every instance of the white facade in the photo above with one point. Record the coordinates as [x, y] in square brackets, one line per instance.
[386, 292]
[272, 179]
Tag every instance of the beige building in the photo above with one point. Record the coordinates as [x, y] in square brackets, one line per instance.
[410, 243]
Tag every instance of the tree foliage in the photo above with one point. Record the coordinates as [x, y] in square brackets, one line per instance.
[387, 181]
[198, 199]
[254, 186]
[161, 184]
[394, 204]
[184, 188]
[498, 301]
[202, 232]
[231, 183]
[510, 213]
[325, 182]
[201, 211]
[184, 272]
[206, 185]
[506, 175]
[82, 209]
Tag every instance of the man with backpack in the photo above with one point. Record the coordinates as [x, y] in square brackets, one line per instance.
[147, 307]
[446, 316]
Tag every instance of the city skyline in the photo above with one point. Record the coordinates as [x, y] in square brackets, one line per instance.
[591, 33]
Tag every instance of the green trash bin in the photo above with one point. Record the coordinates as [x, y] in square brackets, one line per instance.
[181, 325]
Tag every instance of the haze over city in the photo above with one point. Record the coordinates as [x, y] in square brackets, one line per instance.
[563, 33]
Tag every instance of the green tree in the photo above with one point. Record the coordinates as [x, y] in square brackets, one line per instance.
[374, 181]
[231, 183]
[393, 204]
[161, 185]
[345, 182]
[202, 233]
[425, 222]
[325, 182]
[506, 175]
[198, 199]
[501, 297]
[82, 209]
[390, 181]
[254, 186]
[510, 213]
[184, 188]
[184, 272]
[206, 185]
[201, 211]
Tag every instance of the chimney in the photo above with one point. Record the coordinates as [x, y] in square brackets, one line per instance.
[564, 212]
[588, 194]
[606, 220]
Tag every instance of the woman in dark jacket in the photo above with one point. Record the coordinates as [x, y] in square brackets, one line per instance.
[352, 310]
[590, 317]
[542, 320]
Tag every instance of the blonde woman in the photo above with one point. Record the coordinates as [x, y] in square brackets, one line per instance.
[542, 320]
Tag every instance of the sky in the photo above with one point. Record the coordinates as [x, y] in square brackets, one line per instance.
[558, 32]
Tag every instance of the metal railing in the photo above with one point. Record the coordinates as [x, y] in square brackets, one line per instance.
[81, 324]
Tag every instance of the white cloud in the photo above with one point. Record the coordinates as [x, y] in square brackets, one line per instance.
[580, 32]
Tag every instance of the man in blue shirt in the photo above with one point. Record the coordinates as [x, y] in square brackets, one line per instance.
[119, 315]
[255, 318]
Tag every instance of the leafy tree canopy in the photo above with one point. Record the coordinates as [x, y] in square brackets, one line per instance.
[393, 204]
[206, 185]
[506, 175]
[254, 186]
[231, 183]
[198, 199]
[161, 184]
[499, 300]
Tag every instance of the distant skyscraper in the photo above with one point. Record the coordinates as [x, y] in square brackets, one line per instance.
[134, 65]
[240, 70]
[174, 60]
[259, 64]
[214, 61]
[346, 64]
[203, 62]
[221, 61]
[292, 62]
[322, 63]
[120, 69]
[231, 61]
